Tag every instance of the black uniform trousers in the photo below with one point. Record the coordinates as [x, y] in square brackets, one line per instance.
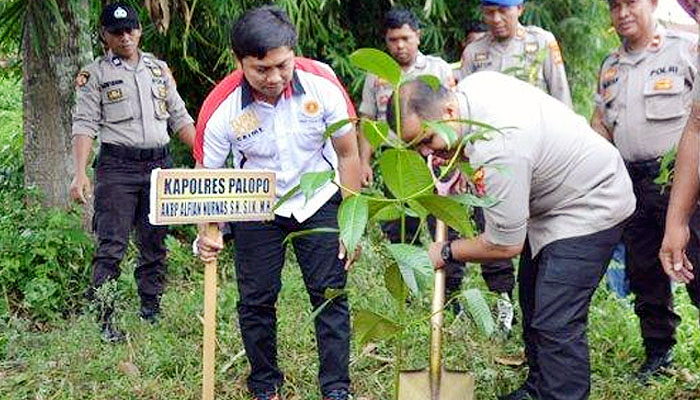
[556, 287]
[122, 187]
[454, 271]
[259, 261]
[648, 281]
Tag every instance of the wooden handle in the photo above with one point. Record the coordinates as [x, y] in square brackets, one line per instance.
[209, 340]
[437, 317]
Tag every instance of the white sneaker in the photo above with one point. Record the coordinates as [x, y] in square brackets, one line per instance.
[504, 314]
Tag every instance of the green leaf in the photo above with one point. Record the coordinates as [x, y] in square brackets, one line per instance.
[479, 310]
[290, 193]
[413, 262]
[297, 234]
[394, 283]
[370, 326]
[335, 127]
[405, 172]
[376, 204]
[417, 209]
[352, 220]
[376, 132]
[390, 212]
[466, 168]
[330, 294]
[431, 80]
[378, 63]
[312, 181]
[443, 130]
[449, 211]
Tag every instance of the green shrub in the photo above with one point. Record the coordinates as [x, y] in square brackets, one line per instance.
[44, 258]
[44, 254]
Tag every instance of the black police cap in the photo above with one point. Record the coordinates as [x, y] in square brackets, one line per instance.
[118, 16]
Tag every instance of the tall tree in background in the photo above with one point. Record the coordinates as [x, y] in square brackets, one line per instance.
[55, 44]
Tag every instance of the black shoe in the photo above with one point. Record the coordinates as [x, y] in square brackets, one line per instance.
[521, 393]
[150, 309]
[655, 364]
[150, 314]
[267, 396]
[337, 394]
[111, 334]
[457, 308]
[108, 331]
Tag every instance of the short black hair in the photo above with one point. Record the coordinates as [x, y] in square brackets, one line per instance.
[398, 17]
[474, 26]
[417, 97]
[260, 30]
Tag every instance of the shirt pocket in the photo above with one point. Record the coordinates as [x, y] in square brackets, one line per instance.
[663, 98]
[160, 104]
[310, 133]
[116, 106]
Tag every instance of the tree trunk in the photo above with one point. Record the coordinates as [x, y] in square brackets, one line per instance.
[52, 58]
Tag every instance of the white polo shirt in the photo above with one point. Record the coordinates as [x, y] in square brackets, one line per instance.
[287, 138]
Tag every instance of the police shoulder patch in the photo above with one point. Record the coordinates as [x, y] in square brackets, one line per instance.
[555, 51]
[82, 78]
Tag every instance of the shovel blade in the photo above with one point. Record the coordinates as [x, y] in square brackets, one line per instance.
[454, 385]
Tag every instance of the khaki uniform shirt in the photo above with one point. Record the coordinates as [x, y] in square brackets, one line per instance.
[645, 97]
[376, 91]
[553, 176]
[532, 55]
[128, 106]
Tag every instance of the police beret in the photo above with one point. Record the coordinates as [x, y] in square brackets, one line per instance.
[503, 3]
[117, 16]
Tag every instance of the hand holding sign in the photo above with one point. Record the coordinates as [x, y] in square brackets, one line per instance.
[208, 248]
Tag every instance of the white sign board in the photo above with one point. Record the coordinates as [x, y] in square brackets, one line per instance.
[191, 196]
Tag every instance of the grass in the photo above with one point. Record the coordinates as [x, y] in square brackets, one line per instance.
[67, 360]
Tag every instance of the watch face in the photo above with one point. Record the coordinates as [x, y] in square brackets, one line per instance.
[446, 252]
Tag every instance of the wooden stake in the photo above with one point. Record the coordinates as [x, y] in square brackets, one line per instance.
[209, 341]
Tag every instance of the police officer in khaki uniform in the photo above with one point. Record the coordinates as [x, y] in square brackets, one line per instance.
[129, 100]
[402, 36]
[562, 204]
[643, 101]
[527, 52]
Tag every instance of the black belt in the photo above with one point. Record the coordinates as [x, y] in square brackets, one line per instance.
[644, 167]
[133, 153]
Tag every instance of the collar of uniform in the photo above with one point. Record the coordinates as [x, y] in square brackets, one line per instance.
[421, 61]
[294, 88]
[633, 58]
[144, 60]
[113, 59]
[501, 46]
[464, 113]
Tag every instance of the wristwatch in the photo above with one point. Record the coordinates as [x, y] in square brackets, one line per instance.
[446, 252]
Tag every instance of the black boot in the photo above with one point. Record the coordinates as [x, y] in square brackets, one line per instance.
[654, 365]
[150, 309]
[108, 331]
[522, 393]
